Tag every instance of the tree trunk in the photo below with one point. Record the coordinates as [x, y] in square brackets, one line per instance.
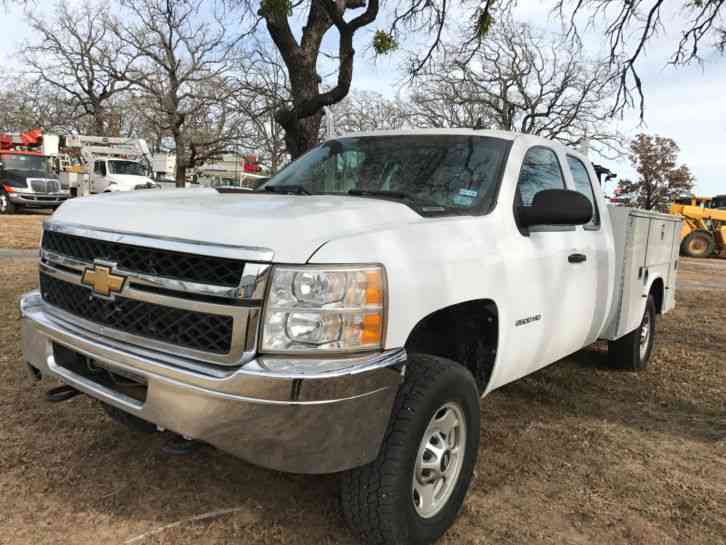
[98, 122]
[181, 160]
[301, 135]
[181, 174]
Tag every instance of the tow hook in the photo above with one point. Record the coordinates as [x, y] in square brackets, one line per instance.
[180, 445]
[61, 393]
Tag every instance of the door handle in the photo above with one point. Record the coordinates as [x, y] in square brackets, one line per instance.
[577, 258]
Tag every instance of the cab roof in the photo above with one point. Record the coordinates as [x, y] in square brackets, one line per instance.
[504, 135]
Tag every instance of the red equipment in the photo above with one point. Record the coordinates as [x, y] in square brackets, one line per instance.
[250, 164]
[29, 141]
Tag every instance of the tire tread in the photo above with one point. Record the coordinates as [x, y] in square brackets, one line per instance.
[367, 492]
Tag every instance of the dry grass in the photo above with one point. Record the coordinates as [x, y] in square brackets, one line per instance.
[21, 231]
[575, 454]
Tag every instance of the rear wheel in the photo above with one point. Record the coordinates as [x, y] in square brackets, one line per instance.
[698, 244]
[632, 352]
[412, 493]
[6, 207]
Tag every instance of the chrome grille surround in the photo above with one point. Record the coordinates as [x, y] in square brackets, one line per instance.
[44, 185]
[145, 260]
[242, 303]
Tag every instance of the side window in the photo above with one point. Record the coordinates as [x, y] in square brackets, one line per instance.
[583, 184]
[100, 168]
[540, 170]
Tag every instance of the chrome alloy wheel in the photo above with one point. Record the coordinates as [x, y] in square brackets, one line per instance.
[439, 460]
[645, 331]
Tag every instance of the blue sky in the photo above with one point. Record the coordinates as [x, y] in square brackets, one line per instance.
[686, 104]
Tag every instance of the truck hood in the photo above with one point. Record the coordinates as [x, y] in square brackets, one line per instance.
[292, 226]
[128, 181]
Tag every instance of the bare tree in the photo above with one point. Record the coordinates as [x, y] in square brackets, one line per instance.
[368, 111]
[263, 88]
[660, 180]
[180, 61]
[441, 102]
[521, 80]
[303, 56]
[27, 104]
[629, 26]
[74, 53]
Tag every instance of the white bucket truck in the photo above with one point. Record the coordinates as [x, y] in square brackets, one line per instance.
[105, 164]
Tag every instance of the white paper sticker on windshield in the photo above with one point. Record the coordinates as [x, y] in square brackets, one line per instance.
[469, 193]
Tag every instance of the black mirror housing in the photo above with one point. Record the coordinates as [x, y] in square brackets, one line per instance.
[556, 207]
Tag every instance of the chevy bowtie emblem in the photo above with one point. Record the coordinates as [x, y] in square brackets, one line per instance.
[102, 280]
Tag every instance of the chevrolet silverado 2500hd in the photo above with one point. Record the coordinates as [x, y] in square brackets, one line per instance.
[349, 315]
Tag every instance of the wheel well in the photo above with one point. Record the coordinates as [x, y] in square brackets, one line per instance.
[656, 290]
[466, 333]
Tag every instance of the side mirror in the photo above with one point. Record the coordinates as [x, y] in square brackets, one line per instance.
[556, 207]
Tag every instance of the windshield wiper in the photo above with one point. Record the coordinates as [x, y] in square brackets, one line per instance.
[381, 193]
[290, 189]
[417, 204]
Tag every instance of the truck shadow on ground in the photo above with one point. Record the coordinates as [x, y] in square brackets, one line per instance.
[584, 386]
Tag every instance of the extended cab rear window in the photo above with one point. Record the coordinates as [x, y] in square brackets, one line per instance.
[432, 173]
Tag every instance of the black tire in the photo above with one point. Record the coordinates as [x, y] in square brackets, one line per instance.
[698, 244]
[7, 207]
[625, 353]
[134, 423]
[378, 499]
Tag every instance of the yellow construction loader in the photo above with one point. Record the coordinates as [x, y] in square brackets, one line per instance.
[704, 225]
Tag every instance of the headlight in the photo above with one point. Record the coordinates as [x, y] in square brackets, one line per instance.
[332, 309]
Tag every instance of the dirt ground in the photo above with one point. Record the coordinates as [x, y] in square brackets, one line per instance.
[22, 230]
[575, 454]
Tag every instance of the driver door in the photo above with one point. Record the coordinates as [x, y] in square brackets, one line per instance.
[99, 182]
[553, 307]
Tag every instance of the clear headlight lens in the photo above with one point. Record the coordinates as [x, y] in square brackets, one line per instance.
[324, 308]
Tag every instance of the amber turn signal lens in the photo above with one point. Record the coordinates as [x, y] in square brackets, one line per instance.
[374, 288]
[372, 329]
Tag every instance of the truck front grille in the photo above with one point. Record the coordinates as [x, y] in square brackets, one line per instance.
[177, 265]
[45, 186]
[185, 328]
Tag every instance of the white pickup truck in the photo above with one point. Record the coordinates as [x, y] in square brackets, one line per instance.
[349, 315]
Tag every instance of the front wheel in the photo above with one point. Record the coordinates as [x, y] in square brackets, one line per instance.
[6, 207]
[412, 493]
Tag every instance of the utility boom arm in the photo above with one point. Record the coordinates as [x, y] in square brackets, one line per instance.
[94, 147]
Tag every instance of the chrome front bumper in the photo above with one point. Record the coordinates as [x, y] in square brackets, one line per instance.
[267, 412]
[38, 200]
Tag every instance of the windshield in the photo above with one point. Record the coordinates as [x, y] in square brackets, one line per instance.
[126, 167]
[25, 162]
[434, 173]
